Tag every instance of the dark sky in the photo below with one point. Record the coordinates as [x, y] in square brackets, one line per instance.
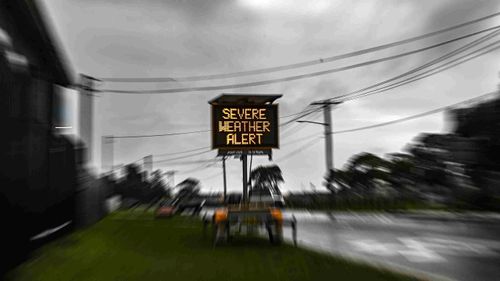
[157, 38]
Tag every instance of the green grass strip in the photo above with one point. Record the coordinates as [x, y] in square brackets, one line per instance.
[133, 246]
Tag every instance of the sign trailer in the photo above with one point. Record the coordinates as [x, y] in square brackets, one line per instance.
[246, 125]
[242, 125]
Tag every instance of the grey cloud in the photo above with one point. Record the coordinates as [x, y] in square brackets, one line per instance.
[177, 38]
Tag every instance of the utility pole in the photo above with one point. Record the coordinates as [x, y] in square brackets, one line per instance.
[327, 114]
[250, 173]
[171, 181]
[148, 165]
[224, 175]
[86, 111]
[499, 84]
[328, 131]
[245, 175]
[107, 154]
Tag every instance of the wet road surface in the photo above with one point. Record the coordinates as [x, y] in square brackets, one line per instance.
[447, 249]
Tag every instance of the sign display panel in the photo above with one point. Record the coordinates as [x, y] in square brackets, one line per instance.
[245, 127]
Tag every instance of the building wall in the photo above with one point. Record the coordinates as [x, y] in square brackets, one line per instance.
[37, 170]
[25, 116]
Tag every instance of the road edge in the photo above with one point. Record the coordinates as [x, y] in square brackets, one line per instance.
[390, 266]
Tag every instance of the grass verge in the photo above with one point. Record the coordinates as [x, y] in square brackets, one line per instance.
[133, 246]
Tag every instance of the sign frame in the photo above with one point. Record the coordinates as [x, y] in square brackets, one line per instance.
[275, 141]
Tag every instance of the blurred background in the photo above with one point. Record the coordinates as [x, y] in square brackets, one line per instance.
[399, 99]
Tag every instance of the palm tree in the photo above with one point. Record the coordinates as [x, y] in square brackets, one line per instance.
[401, 167]
[343, 179]
[267, 177]
[365, 169]
[188, 188]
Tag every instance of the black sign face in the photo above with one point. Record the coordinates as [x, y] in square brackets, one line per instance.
[225, 152]
[245, 127]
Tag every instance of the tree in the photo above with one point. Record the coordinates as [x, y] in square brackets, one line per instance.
[360, 175]
[365, 169]
[267, 177]
[401, 168]
[158, 187]
[430, 154]
[158, 183]
[133, 185]
[342, 178]
[188, 188]
[330, 179]
[132, 173]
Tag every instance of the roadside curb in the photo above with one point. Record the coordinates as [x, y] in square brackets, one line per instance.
[436, 216]
[450, 216]
[389, 266]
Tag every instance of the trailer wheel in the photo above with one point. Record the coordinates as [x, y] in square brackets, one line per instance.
[294, 231]
[278, 234]
[215, 234]
[275, 232]
[228, 232]
[221, 233]
[270, 233]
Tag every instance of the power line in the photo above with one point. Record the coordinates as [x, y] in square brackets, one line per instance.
[306, 112]
[347, 97]
[203, 152]
[198, 131]
[426, 65]
[301, 139]
[184, 151]
[198, 168]
[176, 153]
[430, 72]
[159, 135]
[314, 140]
[187, 162]
[294, 114]
[300, 149]
[185, 156]
[437, 110]
[292, 78]
[383, 89]
[212, 176]
[429, 63]
[298, 127]
[300, 64]
[210, 150]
